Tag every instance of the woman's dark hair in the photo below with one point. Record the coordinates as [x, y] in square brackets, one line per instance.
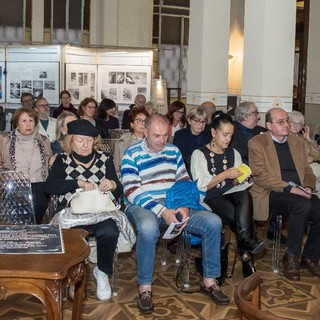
[175, 106]
[104, 105]
[219, 117]
[64, 92]
[135, 111]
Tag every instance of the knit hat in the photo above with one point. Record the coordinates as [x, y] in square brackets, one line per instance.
[82, 127]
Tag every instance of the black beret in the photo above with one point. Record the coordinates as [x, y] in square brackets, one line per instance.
[82, 127]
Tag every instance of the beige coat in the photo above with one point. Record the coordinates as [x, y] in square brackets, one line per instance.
[266, 174]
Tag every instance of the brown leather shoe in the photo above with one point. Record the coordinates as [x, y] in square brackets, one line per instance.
[291, 268]
[144, 302]
[312, 265]
[215, 293]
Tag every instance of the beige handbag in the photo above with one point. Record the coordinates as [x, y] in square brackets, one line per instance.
[93, 201]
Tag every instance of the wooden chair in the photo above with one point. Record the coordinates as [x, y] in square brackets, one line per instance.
[251, 310]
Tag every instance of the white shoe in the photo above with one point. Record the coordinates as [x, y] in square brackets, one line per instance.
[103, 287]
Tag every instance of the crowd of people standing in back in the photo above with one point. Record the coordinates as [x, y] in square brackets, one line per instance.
[155, 154]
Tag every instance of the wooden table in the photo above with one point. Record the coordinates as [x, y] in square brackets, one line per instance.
[45, 275]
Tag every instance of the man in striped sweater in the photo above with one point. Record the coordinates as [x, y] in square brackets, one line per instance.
[149, 168]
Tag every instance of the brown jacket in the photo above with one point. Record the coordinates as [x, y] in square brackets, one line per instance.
[266, 174]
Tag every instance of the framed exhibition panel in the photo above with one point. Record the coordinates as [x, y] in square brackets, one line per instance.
[123, 83]
[39, 78]
[81, 81]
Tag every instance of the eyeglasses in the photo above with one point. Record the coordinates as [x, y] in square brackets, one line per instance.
[91, 107]
[180, 112]
[255, 113]
[43, 106]
[282, 122]
[295, 124]
[202, 122]
[140, 121]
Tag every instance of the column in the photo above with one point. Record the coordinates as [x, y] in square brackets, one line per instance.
[37, 31]
[268, 60]
[208, 52]
[123, 23]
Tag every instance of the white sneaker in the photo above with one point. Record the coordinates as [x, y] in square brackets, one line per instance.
[103, 287]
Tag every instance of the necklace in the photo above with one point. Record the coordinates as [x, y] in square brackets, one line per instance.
[214, 169]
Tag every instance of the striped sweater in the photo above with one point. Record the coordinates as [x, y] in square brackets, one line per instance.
[146, 175]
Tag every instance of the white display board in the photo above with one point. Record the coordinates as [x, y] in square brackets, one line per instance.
[123, 83]
[81, 81]
[39, 78]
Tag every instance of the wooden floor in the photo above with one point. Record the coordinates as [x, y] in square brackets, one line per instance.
[295, 300]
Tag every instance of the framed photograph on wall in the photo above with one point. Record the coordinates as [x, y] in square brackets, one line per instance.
[39, 78]
[123, 83]
[1, 82]
[81, 81]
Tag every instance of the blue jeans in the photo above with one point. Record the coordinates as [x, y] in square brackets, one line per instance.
[204, 223]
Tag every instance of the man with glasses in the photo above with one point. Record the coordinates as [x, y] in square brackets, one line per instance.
[283, 184]
[27, 100]
[47, 125]
[246, 116]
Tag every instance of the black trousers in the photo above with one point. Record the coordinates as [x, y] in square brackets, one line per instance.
[299, 211]
[40, 200]
[237, 209]
[106, 233]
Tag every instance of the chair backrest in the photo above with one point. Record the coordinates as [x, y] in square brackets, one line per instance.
[16, 205]
[117, 133]
[252, 310]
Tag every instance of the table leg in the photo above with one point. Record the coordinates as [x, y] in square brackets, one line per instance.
[80, 286]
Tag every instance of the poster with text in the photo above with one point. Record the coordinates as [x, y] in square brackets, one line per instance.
[123, 83]
[81, 81]
[39, 78]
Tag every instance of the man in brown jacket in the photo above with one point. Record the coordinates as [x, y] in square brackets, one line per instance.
[278, 161]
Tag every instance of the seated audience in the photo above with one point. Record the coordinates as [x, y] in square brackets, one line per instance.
[27, 100]
[194, 136]
[246, 116]
[298, 129]
[88, 110]
[151, 108]
[149, 169]
[25, 149]
[139, 102]
[277, 160]
[214, 166]
[177, 118]
[106, 112]
[65, 104]
[61, 131]
[82, 166]
[47, 125]
[210, 109]
[137, 118]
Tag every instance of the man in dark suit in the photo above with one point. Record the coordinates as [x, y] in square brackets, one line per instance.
[279, 162]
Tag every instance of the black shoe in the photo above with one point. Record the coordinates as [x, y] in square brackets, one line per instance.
[312, 265]
[291, 267]
[145, 303]
[247, 265]
[255, 247]
[215, 293]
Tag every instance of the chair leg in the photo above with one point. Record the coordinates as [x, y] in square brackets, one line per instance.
[163, 260]
[115, 274]
[187, 238]
[180, 247]
[276, 243]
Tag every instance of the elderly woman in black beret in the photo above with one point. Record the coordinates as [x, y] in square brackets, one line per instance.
[83, 166]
